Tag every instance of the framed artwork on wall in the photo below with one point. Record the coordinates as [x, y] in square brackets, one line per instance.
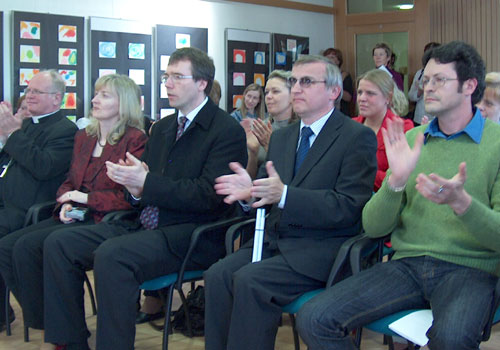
[169, 39]
[287, 49]
[122, 47]
[247, 62]
[47, 41]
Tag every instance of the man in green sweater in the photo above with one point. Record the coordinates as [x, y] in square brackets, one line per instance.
[441, 201]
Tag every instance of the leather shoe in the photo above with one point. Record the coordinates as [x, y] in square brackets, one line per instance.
[143, 317]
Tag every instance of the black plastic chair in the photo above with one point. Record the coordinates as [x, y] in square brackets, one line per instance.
[175, 280]
[360, 252]
[35, 214]
[245, 229]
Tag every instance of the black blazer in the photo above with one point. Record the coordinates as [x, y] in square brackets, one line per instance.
[41, 154]
[182, 174]
[325, 198]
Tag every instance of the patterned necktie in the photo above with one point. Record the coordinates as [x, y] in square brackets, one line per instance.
[303, 147]
[151, 213]
[181, 123]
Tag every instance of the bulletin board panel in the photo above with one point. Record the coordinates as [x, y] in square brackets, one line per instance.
[46, 41]
[169, 39]
[247, 62]
[287, 49]
[1, 56]
[122, 52]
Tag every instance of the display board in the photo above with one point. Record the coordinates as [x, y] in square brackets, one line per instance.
[169, 39]
[124, 47]
[287, 49]
[247, 62]
[46, 41]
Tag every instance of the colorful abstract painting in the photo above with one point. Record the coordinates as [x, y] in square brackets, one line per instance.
[136, 51]
[67, 33]
[29, 53]
[69, 76]
[69, 101]
[237, 101]
[67, 57]
[72, 118]
[259, 57]
[29, 30]
[107, 49]
[259, 79]
[239, 56]
[137, 75]
[106, 71]
[182, 40]
[25, 75]
[238, 79]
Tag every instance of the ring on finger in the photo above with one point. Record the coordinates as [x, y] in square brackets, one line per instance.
[441, 189]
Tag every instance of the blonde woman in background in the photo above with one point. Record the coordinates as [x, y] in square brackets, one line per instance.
[252, 105]
[379, 100]
[490, 104]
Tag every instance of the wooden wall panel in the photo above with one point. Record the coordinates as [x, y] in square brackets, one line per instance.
[475, 22]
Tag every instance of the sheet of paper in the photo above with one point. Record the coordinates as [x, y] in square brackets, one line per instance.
[414, 326]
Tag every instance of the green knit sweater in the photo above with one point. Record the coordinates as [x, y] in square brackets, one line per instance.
[420, 227]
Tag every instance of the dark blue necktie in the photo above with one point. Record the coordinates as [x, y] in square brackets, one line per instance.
[303, 147]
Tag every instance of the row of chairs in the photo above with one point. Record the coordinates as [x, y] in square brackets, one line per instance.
[353, 254]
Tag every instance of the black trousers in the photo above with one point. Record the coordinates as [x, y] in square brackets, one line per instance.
[243, 300]
[122, 259]
[10, 221]
[21, 266]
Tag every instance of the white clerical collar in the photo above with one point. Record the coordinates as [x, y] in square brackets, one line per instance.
[36, 119]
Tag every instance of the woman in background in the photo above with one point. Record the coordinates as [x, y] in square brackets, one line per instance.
[490, 104]
[252, 105]
[335, 55]
[381, 57]
[115, 129]
[379, 99]
[279, 106]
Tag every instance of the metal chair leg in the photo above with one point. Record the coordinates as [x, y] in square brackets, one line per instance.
[7, 304]
[296, 340]
[26, 334]
[168, 310]
[91, 294]
[186, 313]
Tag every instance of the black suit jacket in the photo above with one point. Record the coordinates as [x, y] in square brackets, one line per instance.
[325, 198]
[41, 154]
[182, 174]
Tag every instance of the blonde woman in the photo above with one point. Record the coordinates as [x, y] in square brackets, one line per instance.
[490, 104]
[115, 129]
[253, 104]
[379, 100]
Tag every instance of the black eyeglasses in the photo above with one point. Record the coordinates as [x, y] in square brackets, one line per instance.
[304, 82]
[175, 77]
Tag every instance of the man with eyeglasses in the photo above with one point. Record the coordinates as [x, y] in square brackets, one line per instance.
[39, 151]
[318, 176]
[441, 201]
[172, 185]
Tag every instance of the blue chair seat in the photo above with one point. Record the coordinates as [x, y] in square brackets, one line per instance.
[295, 305]
[168, 280]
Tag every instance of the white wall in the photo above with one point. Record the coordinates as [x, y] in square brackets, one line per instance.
[216, 16]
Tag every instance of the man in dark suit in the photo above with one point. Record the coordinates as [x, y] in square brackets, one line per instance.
[37, 153]
[320, 173]
[174, 186]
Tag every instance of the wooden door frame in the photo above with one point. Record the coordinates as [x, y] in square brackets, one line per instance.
[348, 25]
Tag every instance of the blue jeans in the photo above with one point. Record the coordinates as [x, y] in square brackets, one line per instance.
[461, 300]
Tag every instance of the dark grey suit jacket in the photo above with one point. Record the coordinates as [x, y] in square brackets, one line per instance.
[182, 174]
[325, 198]
[41, 155]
